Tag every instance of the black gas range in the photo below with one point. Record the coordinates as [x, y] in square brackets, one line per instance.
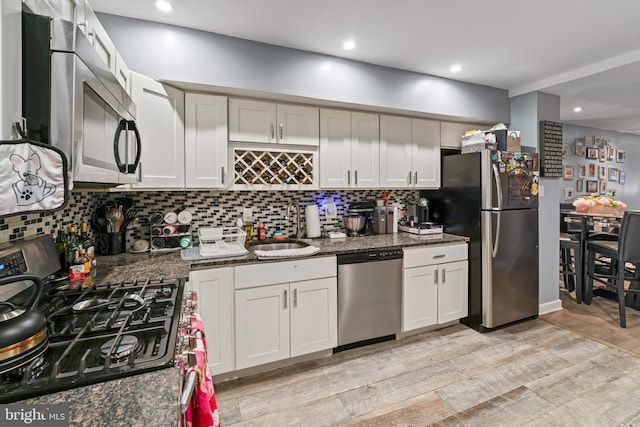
[132, 331]
[99, 333]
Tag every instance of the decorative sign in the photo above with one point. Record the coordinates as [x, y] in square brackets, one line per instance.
[551, 149]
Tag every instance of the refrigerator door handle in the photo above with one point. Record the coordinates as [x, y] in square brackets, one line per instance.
[496, 244]
[496, 176]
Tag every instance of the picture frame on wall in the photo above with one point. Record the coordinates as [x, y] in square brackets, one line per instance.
[592, 169]
[564, 151]
[569, 172]
[580, 149]
[603, 154]
[603, 187]
[621, 177]
[602, 172]
[611, 152]
[588, 141]
[582, 171]
[592, 153]
[580, 186]
[613, 174]
[620, 156]
[568, 193]
[592, 186]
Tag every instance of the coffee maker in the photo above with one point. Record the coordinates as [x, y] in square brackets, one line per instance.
[365, 209]
[418, 213]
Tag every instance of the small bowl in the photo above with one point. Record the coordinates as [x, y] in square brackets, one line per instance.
[140, 245]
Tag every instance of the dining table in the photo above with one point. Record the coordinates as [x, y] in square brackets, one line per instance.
[587, 225]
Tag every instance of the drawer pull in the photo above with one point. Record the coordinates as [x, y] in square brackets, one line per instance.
[439, 256]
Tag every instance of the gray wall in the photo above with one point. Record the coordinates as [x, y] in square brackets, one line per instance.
[629, 192]
[527, 111]
[173, 53]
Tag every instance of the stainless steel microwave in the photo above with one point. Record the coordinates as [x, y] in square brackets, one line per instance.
[72, 101]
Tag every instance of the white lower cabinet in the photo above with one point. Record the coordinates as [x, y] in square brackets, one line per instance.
[275, 321]
[434, 285]
[215, 304]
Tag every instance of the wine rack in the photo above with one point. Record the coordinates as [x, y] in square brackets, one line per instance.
[286, 168]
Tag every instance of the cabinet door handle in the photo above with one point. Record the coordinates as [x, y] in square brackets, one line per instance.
[273, 130]
[295, 297]
[285, 298]
[438, 256]
[222, 175]
[356, 174]
[444, 276]
[281, 130]
[409, 178]
[140, 172]
[436, 277]
[349, 177]
[415, 177]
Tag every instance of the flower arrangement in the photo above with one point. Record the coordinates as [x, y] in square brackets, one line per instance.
[600, 204]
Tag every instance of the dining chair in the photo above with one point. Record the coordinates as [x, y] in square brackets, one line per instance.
[625, 250]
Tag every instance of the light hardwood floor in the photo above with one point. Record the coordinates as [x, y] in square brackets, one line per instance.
[531, 374]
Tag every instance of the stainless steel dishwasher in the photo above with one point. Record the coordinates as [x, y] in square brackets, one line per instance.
[369, 295]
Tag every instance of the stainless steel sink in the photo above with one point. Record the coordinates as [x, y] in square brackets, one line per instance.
[271, 245]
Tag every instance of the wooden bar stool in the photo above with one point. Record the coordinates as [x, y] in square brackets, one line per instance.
[626, 249]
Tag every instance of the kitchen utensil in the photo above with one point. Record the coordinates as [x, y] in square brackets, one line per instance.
[129, 216]
[90, 304]
[353, 223]
[23, 329]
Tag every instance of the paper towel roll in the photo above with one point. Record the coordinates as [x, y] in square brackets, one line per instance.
[312, 215]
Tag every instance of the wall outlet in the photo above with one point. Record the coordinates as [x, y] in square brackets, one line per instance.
[331, 211]
[247, 215]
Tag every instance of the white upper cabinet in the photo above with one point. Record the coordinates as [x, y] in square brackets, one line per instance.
[259, 121]
[395, 152]
[409, 152]
[349, 149]
[425, 153]
[160, 122]
[205, 141]
[100, 39]
[123, 75]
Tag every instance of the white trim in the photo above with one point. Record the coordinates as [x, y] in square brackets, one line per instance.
[549, 307]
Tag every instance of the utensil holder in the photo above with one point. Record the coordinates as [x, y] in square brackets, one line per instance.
[116, 243]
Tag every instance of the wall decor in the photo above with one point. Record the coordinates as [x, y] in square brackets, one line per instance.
[580, 149]
[580, 186]
[564, 151]
[568, 193]
[592, 169]
[603, 187]
[611, 153]
[582, 171]
[602, 172]
[621, 177]
[550, 149]
[568, 173]
[592, 186]
[613, 174]
[620, 157]
[602, 154]
[588, 141]
[592, 153]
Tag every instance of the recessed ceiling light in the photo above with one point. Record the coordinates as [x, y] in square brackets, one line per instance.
[577, 109]
[455, 68]
[349, 45]
[164, 5]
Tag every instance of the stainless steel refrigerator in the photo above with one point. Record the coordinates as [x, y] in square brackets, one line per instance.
[492, 198]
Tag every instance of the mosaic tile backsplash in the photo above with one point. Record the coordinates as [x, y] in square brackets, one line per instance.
[209, 208]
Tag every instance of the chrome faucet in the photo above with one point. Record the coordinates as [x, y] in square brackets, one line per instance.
[294, 205]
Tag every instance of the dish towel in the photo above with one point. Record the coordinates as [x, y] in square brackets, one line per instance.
[206, 413]
[287, 253]
[33, 178]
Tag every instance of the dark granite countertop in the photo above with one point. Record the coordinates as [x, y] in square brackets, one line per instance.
[151, 398]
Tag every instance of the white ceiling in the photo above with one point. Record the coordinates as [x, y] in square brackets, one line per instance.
[585, 51]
